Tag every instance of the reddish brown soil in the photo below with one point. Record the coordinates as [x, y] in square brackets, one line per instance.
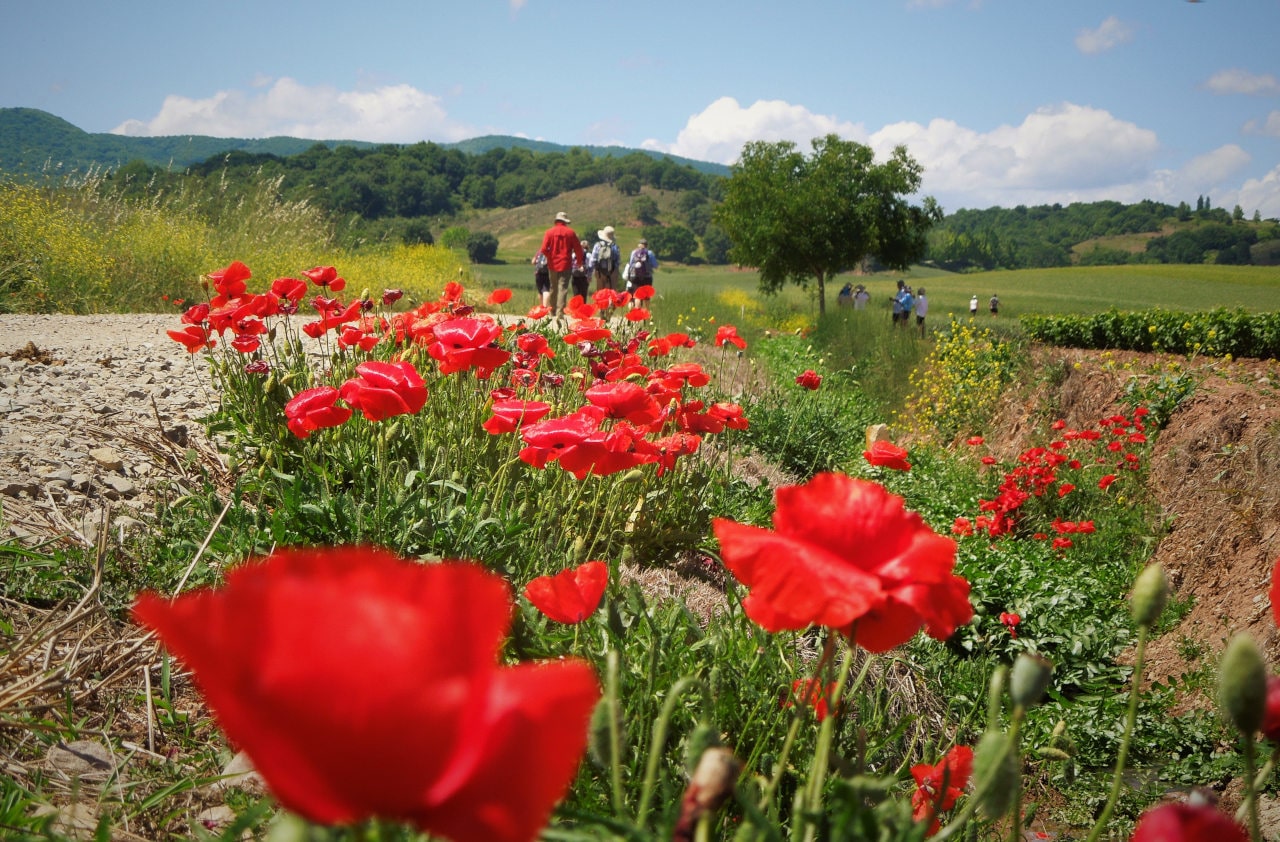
[1214, 473]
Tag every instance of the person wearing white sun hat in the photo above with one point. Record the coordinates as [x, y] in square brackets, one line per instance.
[606, 259]
[561, 246]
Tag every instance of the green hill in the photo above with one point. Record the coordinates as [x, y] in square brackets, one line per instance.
[34, 142]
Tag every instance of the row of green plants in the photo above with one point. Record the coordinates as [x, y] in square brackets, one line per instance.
[1217, 333]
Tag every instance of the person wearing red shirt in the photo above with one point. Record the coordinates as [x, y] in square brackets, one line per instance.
[561, 246]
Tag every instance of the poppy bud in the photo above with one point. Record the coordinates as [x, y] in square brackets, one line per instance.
[995, 768]
[599, 746]
[628, 555]
[711, 785]
[703, 738]
[1029, 679]
[1150, 594]
[270, 384]
[633, 475]
[579, 550]
[1242, 684]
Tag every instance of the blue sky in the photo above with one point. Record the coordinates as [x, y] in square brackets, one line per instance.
[1004, 102]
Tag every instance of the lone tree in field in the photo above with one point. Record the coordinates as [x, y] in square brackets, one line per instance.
[795, 217]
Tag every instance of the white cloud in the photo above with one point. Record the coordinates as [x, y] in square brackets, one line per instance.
[1236, 81]
[1055, 154]
[387, 114]
[718, 132]
[517, 5]
[1269, 127]
[1260, 194]
[1111, 33]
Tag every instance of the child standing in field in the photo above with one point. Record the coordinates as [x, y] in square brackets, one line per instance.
[973, 306]
[995, 305]
[922, 310]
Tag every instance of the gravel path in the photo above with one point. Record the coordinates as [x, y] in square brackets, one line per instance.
[94, 412]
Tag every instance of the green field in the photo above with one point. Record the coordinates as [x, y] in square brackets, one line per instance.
[1068, 290]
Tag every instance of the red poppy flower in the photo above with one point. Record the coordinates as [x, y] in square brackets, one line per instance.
[391, 296]
[314, 409]
[988, 460]
[193, 337]
[939, 786]
[500, 296]
[1065, 488]
[884, 454]
[974, 441]
[381, 390]
[1271, 717]
[246, 343]
[570, 596]
[1010, 621]
[1183, 822]
[538, 311]
[643, 293]
[1062, 543]
[625, 399]
[1275, 592]
[327, 277]
[510, 414]
[845, 553]
[292, 289]
[728, 335]
[810, 693]
[809, 379]
[550, 439]
[464, 344]
[344, 727]
[639, 314]
[536, 344]
[1106, 481]
[229, 282]
[195, 315]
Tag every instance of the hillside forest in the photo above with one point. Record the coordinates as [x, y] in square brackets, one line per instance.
[419, 193]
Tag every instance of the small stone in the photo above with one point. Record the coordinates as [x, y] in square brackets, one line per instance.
[88, 760]
[120, 485]
[107, 458]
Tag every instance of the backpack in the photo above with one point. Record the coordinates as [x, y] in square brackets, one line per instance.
[606, 259]
[640, 266]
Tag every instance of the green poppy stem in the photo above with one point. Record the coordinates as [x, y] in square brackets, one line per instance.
[1130, 721]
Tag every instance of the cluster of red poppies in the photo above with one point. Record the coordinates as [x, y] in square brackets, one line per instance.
[1046, 472]
[635, 413]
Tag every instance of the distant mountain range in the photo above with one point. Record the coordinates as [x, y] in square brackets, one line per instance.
[34, 141]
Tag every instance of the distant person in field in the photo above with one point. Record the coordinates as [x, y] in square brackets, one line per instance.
[560, 245]
[582, 272]
[845, 298]
[897, 303]
[606, 260]
[640, 267]
[995, 305]
[973, 306]
[860, 297]
[907, 302]
[922, 310]
[542, 279]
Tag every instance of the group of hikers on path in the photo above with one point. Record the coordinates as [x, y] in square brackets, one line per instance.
[565, 265]
[904, 303]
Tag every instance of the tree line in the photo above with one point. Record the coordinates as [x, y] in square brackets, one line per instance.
[1046, 236]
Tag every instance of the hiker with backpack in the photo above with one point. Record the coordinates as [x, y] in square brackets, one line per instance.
[542, 279]
[606, 260]
[640, 267]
